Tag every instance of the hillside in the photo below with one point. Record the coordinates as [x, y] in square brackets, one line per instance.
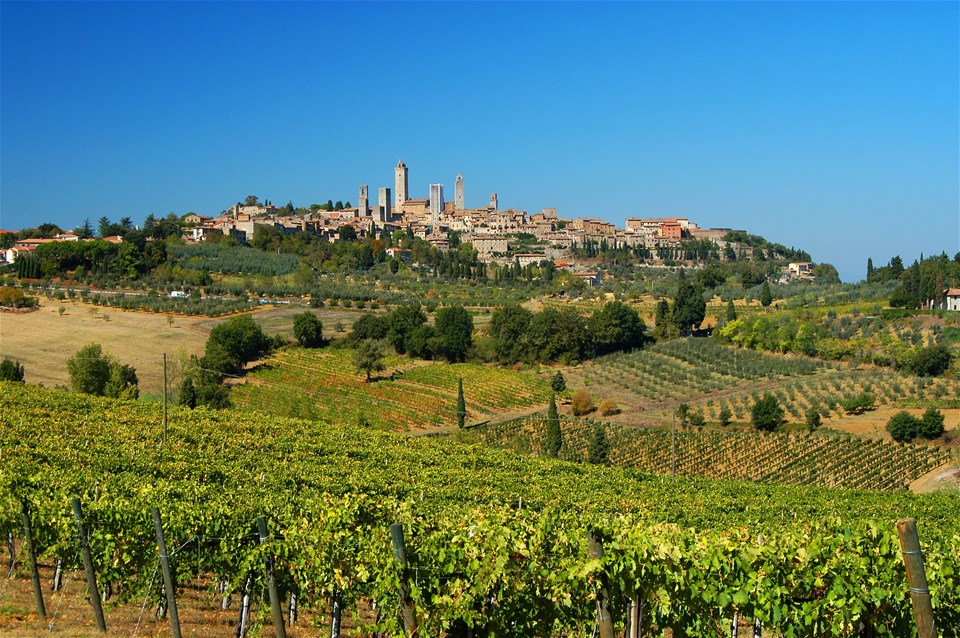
[480, 523]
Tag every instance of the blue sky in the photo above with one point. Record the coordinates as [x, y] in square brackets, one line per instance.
[828, 126]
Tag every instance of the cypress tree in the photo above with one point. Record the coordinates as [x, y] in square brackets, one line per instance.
[598, 452]
[766, 297]
[731, 311]
[188, 394]
[554, 438]
[461, 404]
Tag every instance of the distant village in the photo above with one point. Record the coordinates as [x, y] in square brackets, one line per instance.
[493, 232]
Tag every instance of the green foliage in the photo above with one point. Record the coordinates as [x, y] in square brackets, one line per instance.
[370, 326]
[368, 356]
[461, 405]
[696, 419]
[931, 424]
[813, 418]
[616, 326]
[510, 327]
[557, 383]
[453, 329]
[858, 403]
[11, 370]
[122, 382]
[598, 452]
[766, 297]
[422, 343]
[731, 311]
[559, 335]
[929, 362]
[89, 370]
[689, 308]
[93, 372]
[698, 559]
[308, 330]
[229, 259]
[401, 324]
[682, 413]
[903, 426]
[233, 343]
[725, 417]
[554, 436]
[187, 395]
[766, 413]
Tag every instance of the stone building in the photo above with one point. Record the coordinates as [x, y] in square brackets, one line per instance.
[436, 203]
[458, 200]
[401, 184]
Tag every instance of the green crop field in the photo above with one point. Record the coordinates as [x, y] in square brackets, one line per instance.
[409, 395]
[495, 540]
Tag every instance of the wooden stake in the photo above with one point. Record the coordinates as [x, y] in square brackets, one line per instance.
[278, 623]
[406, 604]
[336, 611]
[34, 573]
[88, 566]
[168, 585]
[604, 619]
[916, 577]
[634, 617]
[164, 397]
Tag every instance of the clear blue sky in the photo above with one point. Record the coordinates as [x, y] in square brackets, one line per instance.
[827, 126]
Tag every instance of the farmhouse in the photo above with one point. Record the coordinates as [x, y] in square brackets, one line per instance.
[949, 301]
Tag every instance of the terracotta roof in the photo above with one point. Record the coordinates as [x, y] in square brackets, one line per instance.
[952, 292]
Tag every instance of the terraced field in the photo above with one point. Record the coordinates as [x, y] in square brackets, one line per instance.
[409, 395]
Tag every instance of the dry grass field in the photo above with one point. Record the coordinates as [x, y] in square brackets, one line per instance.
[43, 340]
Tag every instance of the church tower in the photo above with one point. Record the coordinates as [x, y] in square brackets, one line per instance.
[458, 194]
[401, 185]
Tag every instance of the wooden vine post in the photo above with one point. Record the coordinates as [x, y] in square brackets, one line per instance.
[916, 577]
[406, 604]
[278, 623]
[88, 565]
[168, 584]
[31, 554]
[604, 619]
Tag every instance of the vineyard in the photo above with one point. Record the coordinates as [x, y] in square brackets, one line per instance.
[710, 376]
[824, 461]
[495, 541]
[678, 368]
[322, 384]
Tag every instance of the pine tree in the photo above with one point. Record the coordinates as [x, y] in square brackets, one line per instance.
[598, 452]
[558, 384]
[461, 404]
[731, 311]
[554, 438]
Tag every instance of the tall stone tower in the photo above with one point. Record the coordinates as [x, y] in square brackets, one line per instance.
[493, 201]
[401, 184]
[458, 194]
[383, 204]
[362, 201]
[436, 204]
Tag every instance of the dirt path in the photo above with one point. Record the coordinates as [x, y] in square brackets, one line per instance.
[945, 477]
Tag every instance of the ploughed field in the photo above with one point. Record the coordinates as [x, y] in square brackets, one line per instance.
[494, 539]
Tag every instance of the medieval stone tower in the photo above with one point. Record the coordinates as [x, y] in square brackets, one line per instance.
[458, 194]
[401, 184]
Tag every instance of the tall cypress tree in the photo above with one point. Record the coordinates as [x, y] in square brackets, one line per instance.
[461, 404]
[554, 438]
[598, 452]
[766, 297]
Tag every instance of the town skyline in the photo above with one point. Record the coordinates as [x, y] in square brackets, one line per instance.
[822, 126]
